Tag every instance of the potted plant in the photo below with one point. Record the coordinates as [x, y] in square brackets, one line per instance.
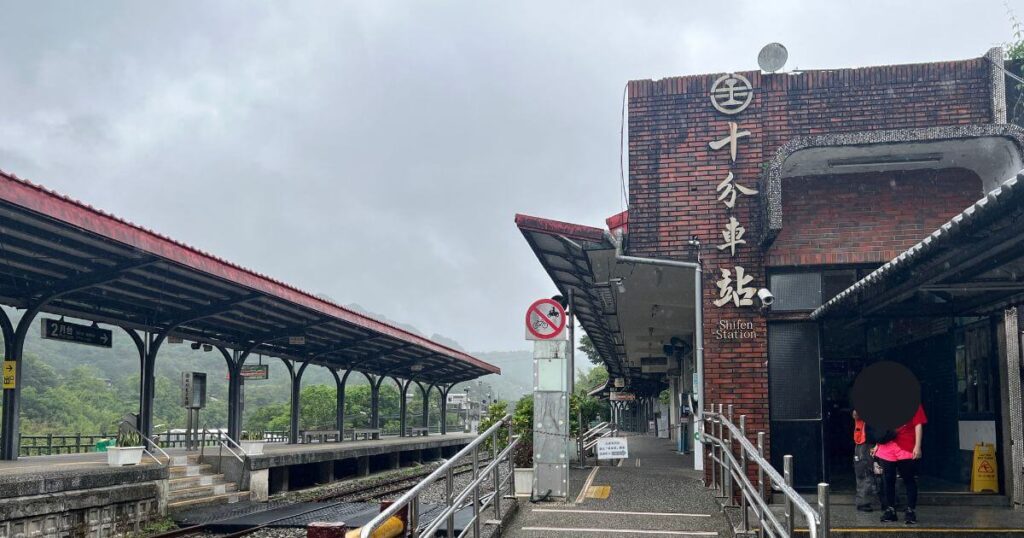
[522, 456]
[522, 459]
[128, 450]
[252, 442]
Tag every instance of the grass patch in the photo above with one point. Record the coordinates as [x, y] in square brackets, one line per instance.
[155, 527]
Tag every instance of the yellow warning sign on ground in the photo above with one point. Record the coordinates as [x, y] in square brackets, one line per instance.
[983, 470]
[10, 369]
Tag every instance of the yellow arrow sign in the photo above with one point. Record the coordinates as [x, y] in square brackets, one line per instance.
[10, 369]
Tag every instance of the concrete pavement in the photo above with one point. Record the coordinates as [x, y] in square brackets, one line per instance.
[653, 493]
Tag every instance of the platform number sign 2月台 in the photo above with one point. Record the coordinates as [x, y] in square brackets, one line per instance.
[545, 320]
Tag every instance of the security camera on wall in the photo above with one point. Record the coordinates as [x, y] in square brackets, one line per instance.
[765, 297]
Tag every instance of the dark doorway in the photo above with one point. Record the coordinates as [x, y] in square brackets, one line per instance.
[955, 361]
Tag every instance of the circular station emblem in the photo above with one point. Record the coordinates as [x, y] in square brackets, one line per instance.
[731, 93]
[545, 319]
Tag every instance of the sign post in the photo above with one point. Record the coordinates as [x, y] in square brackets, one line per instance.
[193, 398]
[545, 325]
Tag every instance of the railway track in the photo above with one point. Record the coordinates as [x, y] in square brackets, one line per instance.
[377, 491]
[204, 529]
[362, 494]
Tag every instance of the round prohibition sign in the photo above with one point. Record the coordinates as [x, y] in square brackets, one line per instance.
[545, 319]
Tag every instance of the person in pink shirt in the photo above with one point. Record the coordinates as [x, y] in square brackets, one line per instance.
[899, 452]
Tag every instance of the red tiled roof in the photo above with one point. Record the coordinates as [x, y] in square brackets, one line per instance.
[65, 209]
[567, 229]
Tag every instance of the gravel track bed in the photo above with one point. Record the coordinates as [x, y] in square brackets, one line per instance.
[351, 489]
[433, 494]
[299, 532]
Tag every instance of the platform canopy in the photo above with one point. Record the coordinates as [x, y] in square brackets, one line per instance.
[629, 310]
[88, 264]
[972, 265]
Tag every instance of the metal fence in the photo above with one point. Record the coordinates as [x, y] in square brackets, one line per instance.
[51, 444]
[45, 445]
[455, 501]
[730, 478]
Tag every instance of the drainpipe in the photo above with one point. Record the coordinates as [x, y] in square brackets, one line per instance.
[698, 332]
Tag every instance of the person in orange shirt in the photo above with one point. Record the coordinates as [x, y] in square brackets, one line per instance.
[863, 466]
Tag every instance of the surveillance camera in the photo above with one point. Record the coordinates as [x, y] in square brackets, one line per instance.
[765, 297]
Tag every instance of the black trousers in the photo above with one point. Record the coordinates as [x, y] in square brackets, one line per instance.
[908, 472]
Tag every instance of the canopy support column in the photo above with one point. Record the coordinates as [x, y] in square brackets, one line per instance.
[1011, 372]
[234, 393]
[425, 393]
[375, 401]
[403, 406]
[140, 345]
[339, 418]
[240, 358]
[14, 341]
[293, 429]
[443, 395]
[149, 383]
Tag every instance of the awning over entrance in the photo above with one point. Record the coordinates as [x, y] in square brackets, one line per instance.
[972, 265]
[630, 309]
[84, 263]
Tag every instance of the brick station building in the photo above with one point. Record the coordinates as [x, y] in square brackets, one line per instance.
[800, 186]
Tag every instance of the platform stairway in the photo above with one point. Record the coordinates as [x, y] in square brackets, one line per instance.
[193, 484]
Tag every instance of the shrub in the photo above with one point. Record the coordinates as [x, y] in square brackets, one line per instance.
[495, 412]
[522, 425]
[252, 435]
[129, 438]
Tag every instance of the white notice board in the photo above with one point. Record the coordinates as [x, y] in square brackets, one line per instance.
[612, 448]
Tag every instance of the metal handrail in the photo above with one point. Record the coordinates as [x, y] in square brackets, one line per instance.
[222, 444]
[593, 442]
[594, 431]
[150, 442]
[226, 441]
[727, 471]
[588, 439]
[453, 502]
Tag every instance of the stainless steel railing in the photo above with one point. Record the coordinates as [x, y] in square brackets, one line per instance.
[455, 502]
[149, 443]
[729, 472]
[588, 440]
[224, 441]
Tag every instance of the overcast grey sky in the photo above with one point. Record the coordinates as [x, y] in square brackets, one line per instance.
[377, 151]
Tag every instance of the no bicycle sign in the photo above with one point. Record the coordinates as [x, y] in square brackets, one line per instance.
[545, 320]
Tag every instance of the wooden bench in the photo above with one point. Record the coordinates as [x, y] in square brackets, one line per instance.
[321, 436]
[366, 433]
[419, 430]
